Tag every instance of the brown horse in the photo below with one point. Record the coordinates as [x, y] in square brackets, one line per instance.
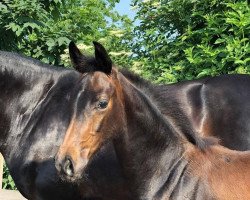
[212, 106]
[158, 161]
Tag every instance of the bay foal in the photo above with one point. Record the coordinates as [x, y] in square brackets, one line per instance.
[158, 161]
[211, 106]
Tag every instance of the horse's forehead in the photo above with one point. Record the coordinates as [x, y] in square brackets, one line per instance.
[100, 80]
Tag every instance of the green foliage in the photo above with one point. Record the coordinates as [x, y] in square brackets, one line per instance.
[8, 182]
[190, 39]
[116, 42]
[43, 29]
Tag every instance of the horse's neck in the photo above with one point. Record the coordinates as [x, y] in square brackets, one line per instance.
[19, 74]
[23, 84]
[167, 100]
[151, 90]
[150, 148]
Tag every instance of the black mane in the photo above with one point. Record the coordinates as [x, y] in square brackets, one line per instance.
[136, 79]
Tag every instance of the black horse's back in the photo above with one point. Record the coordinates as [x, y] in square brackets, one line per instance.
[227, 110]
[213, 106]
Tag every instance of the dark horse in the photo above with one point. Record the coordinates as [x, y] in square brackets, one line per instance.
[37, 102]
[212, 106]
[158, 161]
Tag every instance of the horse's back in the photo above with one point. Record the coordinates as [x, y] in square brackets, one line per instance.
[227, 110]
[220, 107]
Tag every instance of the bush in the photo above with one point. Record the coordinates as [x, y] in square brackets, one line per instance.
[192, 39]
[8, 182]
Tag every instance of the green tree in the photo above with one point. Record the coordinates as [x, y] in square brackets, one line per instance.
[42, 29]
[187, 39]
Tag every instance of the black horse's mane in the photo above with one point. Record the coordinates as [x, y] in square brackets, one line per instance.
[135, 78]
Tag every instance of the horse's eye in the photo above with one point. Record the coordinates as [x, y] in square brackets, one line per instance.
[102, 104]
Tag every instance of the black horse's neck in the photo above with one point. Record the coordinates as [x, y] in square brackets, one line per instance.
[20, 91]
[151, 151]
[35, 110]
[24, 84]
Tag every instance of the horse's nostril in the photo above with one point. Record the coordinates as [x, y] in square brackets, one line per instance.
[68, 167]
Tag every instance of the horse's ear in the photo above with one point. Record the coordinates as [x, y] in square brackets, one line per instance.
[77, 58]
[103, 60]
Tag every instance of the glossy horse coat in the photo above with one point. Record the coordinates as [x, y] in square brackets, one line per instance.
[29, 143]
[158, 161]
[34, 99]
[37, 103]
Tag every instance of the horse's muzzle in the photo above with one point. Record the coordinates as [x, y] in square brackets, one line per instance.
[69, 170]
[65, 167]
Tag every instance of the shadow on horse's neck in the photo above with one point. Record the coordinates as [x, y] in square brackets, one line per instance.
[149, 146]
[27, 86]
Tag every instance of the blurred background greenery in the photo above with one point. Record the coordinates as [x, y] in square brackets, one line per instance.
[166, 42]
